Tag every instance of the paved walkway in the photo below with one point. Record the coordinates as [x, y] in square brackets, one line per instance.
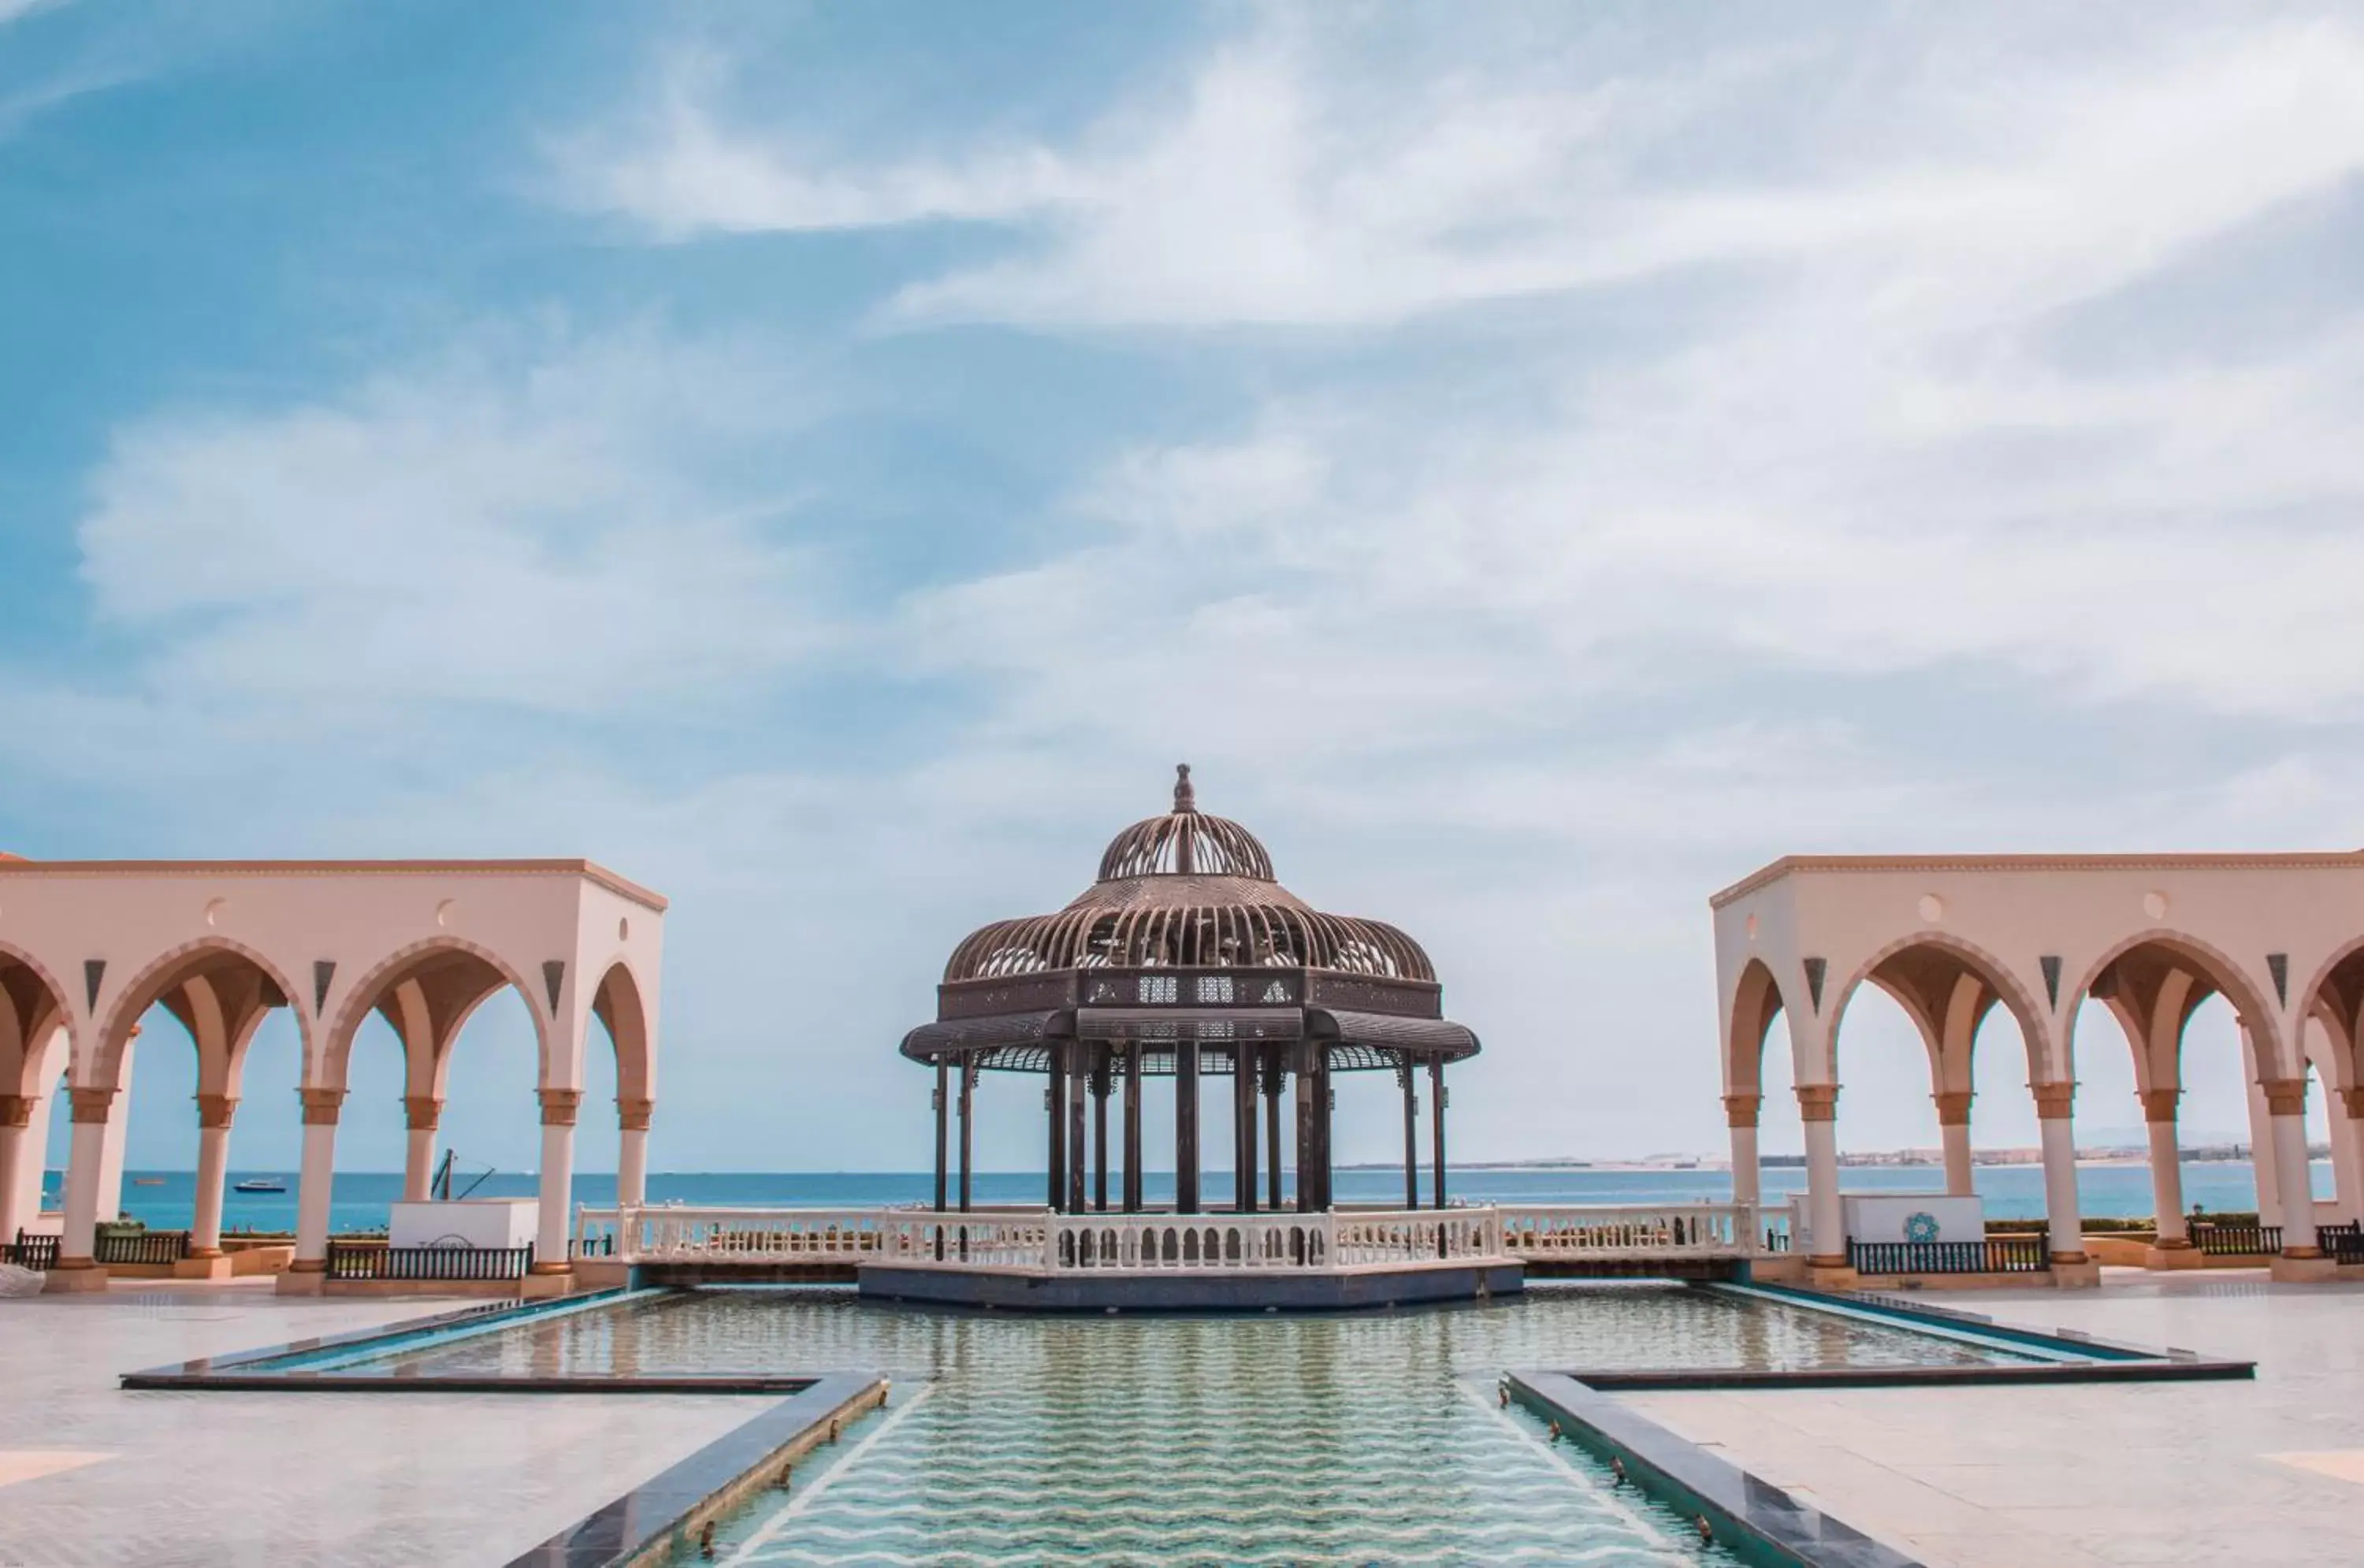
[92, 1474]
[2247, 1474]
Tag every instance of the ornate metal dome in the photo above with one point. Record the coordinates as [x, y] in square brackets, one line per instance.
[1191, 891]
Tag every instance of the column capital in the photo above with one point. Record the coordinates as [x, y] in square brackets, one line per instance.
[2354, 1100]
[633, 1115]
[558, 1107]
[17, 1110]
[2284, 1096]
[1818, 1102]
[215, 1110]
[2158, 1105]
[321, 1105]
[1953, 1107]
[1741, 1110]
[91, 1104]
[2054, 1102]
[423, 1113]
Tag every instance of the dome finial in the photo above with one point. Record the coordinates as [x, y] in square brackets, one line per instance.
[1185, 797]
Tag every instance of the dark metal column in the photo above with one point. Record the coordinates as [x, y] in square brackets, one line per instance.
[967, 1087]
[1133, 1127]
[1186, 1125]
[1243, 1126]
[943, 1110]
[1276, 1079]
[1436, 1111]
[1309, 1153]
[1100, 1127]
[1054, 1103]
[1079, 1079]
[1407, 1075]
[1321, 1096]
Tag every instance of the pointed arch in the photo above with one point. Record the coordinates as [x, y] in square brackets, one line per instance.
[2180, 949]
[2334, 998]
[1757, 1001]
[1924, 973]
[434, 985]
[32, 1005]
[171, 971]
[621, 1006]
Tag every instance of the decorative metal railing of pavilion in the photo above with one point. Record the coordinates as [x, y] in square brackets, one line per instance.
[1040, 1238]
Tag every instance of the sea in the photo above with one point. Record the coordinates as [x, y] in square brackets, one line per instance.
[166, 1199]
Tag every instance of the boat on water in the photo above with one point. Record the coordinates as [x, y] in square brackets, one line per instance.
[260, 1185]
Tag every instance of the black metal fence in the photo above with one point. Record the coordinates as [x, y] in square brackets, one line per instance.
[2238, 1241]
[38, 1253]
[2342, 1243]
[140, 1246]
[1995, 1255]
[367, 1261]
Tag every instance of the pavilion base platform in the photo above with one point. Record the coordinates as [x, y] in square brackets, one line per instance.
[1292, 1290]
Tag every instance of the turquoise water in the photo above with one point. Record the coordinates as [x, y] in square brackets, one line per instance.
[1350, 1439]
[2012, 1191]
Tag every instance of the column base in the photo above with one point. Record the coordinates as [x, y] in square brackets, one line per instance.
[304, 1277]
[2074, 1271]
[546, 1281]
[2291, 1268]
[72, 1276]
[2174, 1255]
[213, 1263]
[1831, 1273]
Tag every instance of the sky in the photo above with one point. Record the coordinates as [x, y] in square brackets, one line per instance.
[1537, 463]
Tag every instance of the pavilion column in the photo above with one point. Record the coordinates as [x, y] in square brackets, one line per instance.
[1410, 1085]
[1307, 1149]
[84, 1173]
[1438, 1099]
[943, 1136]
[632, 1151]
[551, 1238]
[1054, 1105]
[1186, 1127]
[2166, 1169]
[1078, 1080]
[15, 1116]
[1818, 1108]
[2286, 1104]
[1276, 1079]
[214, 1113]
[2064, 1222]
[1740, 1113]
[313, 1187]
[1133, 1127]
[1954, 1131]
[1243, 1129]
[1100, 1069]
[422, 1114]
[967, 1144]
[1324, 1198]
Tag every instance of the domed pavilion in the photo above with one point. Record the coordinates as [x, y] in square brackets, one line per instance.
[1187, 958]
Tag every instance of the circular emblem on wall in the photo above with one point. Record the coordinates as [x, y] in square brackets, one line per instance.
[1921, 1226]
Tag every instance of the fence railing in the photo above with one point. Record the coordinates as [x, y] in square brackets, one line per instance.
[38, 1253]
[2342, 1243]
[1632, 1233]
[2027, 1254]
[140, 1246]
[369, 1261]
[2238, 1241]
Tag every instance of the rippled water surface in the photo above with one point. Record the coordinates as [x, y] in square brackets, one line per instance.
[1355, 1439]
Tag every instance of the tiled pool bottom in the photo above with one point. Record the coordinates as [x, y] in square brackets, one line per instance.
[1595, 1326]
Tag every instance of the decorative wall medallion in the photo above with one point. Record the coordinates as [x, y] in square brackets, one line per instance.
[1921, 1226]
[2155, 905]
[443, 915]
[214, 907]
[1932, 908]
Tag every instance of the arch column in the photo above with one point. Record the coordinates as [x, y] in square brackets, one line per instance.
[2347, 1152]
[1953, 1129]
[15, 1116]
[557, 1206]
[76, 1269]
[1740, 1116]
[422, 1114]
[2265, 1171]
[2064, 1224]
[1818, 1108]
[2302, 1255]
[214, 1114]
[2174, 1248]
[314, 1191]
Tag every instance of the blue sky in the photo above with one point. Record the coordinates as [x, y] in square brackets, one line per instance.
[827, 462]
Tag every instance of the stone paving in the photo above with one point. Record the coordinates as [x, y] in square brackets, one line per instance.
[2269, 1472]
[92, 1474]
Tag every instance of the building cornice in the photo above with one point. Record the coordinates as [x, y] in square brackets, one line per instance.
[589, 871]
[1789, 865]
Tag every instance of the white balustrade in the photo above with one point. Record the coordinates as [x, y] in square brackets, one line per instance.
[1041, 1239]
